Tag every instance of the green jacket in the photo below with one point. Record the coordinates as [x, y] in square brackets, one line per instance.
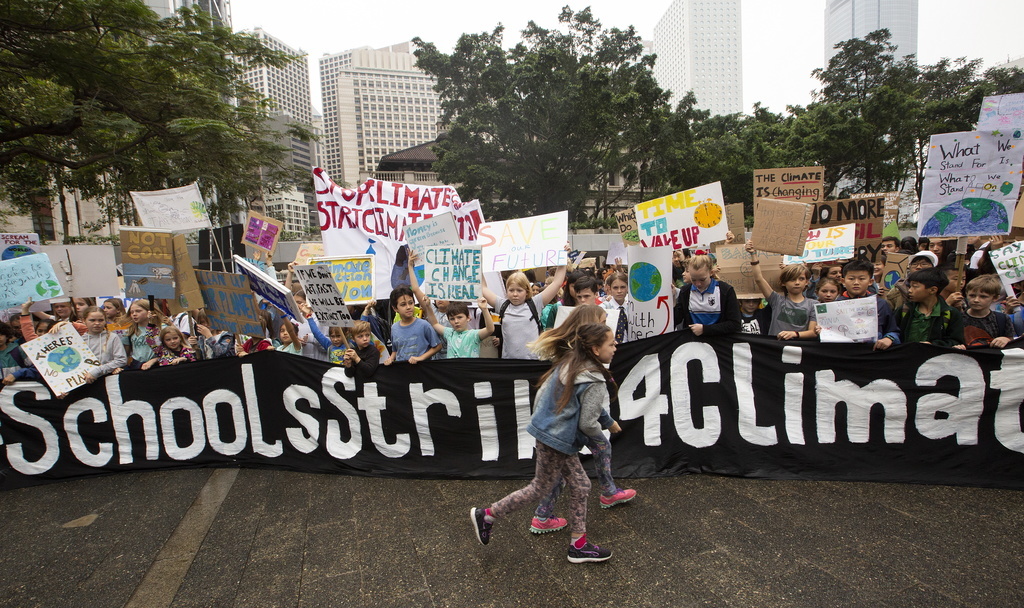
[947, 328]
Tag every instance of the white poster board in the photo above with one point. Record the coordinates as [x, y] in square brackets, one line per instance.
[269, 289]
[437, 231]
[453, 273]
[971, 183]
[179, 209]
[62, 358]
[529, 242]
[1001, 112]
[323, 296]
[1009, 263]
[14, 245]
[853, 320]
[650, 291]
[684, 219]
[563, 312]
[28, 276]
[84, 271]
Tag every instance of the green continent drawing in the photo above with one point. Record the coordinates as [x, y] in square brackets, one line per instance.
[65, 359]
[644, 281]
[966, 217]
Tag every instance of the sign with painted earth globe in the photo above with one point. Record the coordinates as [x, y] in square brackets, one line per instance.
[644, 281]
[16, 251]
[65, 359]
[967, 217]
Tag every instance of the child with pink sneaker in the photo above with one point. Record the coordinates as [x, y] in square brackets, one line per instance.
[553, 345]
[572, 395]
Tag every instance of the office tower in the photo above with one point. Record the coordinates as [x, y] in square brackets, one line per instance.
[846, 19]
[220, 10]
[288, 89]
[375, 102]
[698, 47]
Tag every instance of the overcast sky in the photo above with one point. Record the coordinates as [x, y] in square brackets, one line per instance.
[782, 39]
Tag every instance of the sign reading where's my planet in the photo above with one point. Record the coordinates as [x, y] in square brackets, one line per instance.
[971, 183]
[684, 219]
[27, 276]
[17, 245]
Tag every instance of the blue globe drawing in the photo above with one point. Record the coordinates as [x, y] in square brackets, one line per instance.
[644, 281]
[15, 251]
[65, 359]
[890, 279]
[966, 217]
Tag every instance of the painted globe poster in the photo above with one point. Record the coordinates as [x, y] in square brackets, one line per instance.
[968, 216]
[64, 360]
[645, 281]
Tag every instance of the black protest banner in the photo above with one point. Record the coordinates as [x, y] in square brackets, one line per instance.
[736, 405]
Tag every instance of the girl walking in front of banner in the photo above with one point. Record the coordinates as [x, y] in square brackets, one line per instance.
[519, 313]
[572, 396]
[552, 346]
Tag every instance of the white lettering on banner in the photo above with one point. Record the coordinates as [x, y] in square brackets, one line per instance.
[949, 390]
[962, 412]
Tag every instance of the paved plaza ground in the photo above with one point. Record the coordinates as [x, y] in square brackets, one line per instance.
[228, 537]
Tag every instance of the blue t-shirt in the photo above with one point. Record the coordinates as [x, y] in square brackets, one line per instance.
[412, 340]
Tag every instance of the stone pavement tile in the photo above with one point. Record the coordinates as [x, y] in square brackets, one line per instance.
[331, 569]
[217, 570]
[271, 577]
[95, 565]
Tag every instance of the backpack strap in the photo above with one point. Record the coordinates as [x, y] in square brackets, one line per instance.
[534, 315]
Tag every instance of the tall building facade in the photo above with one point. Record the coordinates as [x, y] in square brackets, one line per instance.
[698, 44]
[220, 10]
[288, 89]
[846, 19]
[375, 102]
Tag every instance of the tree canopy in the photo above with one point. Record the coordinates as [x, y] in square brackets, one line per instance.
[105, 97]
[543, 126]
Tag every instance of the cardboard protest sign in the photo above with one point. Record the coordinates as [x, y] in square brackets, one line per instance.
[826, 244]
[17, 245]
[269, 289]
[354, 276]
[179, 209]
[734, 268]
[147, 261]
[323, 297]
[308, 251]
[371, 218]
[230, 303]
[453, 273]
[438, 231]
[262, 232]
[187, 295]
[529, 242]
[1001, 112]
[627, 226]
[853, 320]
[1018, 213]
[62, 358]
[802, 184]
[650, 291]
[971, 184]
[781, 226]
[27, 276]
[84, 271]
[866, 212]
[684, 219]
[737, 223]
[1009, 263]
[895, 268]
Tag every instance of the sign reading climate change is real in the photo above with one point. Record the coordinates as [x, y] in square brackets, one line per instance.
[971, 184]
[684, 219]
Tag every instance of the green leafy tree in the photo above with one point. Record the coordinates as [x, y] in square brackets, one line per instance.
[544, 126]
[104, 97]
[861, 125]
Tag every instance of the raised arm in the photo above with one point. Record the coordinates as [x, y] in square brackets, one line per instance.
[551, 290]
[763, 285]
[488, 321]
[428, 314]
